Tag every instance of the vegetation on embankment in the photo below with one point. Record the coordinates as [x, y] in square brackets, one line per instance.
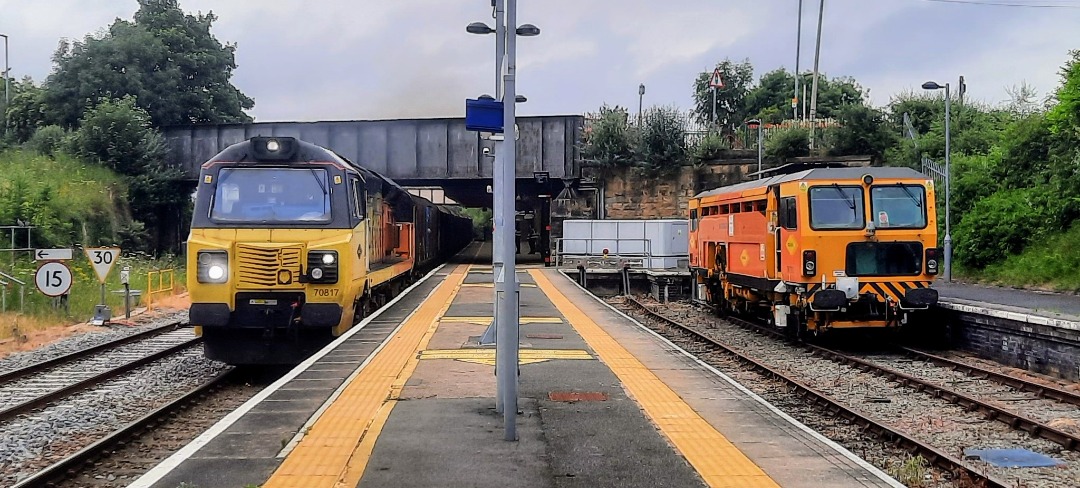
[1051, 264]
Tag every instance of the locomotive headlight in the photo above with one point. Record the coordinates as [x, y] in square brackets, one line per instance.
[215, 272]
[932, 256]
[272, 145]
[322, 266]
[212, 266]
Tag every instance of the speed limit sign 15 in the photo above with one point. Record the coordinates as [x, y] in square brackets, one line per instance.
[53, 278]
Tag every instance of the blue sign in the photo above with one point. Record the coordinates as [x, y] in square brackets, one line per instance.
[484, 115]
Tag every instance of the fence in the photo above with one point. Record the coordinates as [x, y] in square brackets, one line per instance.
[160, 287]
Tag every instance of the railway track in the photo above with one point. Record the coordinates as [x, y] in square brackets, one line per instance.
[40, 384]
[938, 455]
[71, 465]
[57, 414]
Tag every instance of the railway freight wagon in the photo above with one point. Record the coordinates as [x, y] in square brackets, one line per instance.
[818, 249]
[292, 245]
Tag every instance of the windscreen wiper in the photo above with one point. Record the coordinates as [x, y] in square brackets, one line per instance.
[850, 203]
[918, 203]
[322, 186]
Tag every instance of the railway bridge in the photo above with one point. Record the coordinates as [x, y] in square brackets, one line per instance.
[428, 154]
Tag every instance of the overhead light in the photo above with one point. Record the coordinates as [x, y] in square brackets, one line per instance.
[528, 30]
[931, 85]
[478, 28]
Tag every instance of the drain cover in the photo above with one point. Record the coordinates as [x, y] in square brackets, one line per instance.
[1011, 458]
[543, 336]
[577, 396]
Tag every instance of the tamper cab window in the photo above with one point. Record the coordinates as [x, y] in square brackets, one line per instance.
[837, 207]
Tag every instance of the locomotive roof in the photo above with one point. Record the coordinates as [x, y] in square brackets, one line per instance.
[818, 174]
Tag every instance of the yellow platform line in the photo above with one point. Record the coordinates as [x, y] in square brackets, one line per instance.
[715, 458]
[336, 450]
[487, 320]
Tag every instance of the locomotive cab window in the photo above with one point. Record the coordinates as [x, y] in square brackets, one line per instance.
[277, 195]
[835, 207]
[898, 206]
[357, 195]
[789, 217]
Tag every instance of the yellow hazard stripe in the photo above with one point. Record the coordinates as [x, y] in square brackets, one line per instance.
[336, 450]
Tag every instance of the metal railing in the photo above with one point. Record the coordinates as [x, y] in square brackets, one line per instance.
[621, 252]
[152, 290]
[4, 287]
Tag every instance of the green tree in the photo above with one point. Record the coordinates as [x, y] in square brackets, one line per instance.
[1064, 117]
[169, 61]
[787, 143]
[730, 103]
[118, 134]
[27, 111]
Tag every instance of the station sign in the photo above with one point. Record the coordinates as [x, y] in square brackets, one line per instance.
[53, 278]
[52, 255]
[102, 259]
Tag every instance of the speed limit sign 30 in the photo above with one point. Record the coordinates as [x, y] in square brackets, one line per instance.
[53, 278]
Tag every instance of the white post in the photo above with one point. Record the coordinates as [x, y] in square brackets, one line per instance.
[496, 192]
[813, 91]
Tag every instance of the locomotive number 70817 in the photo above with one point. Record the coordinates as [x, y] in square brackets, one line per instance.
[326, 292]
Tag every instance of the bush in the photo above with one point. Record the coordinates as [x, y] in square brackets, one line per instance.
[1004, 223]
[662, 144]
[608, 142]
[118, 134]
[787, 143]
[48, 140]
[711, 147]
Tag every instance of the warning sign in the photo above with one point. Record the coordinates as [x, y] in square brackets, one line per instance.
[716, 81]
[103, 259]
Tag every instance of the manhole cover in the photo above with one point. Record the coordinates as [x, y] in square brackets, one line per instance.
[577, 396]
[543, 336]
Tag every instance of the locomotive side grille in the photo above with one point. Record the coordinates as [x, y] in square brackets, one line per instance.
[258, 267]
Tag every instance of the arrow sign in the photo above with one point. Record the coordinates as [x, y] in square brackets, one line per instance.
[103, 259]
[53, 278]
[52, 254]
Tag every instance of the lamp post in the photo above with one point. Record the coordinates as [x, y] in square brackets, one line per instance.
[504, 193]
[756, 124]
[7, 89]
[641, 98]
[947, 274]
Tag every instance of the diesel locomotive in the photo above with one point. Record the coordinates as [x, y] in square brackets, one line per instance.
[292, 244]
[818, 249]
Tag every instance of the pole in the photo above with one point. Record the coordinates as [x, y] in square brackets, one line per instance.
[506, 344]
[813, 91]
[948, 177]
[798, 52]
[497, 183]
[760, 130]
[640, 101]
[714, 106]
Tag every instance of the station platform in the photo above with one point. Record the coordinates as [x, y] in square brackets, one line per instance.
[407, 400]
[1059, 310]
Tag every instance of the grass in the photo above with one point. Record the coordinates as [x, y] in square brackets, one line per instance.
[40, 312]
[911, 472]
[1051, 264]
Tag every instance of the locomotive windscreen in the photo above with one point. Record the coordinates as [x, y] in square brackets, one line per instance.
[271, 195]
[898, 206]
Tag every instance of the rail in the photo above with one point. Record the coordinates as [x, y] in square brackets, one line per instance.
[152, 290]
[4, 283]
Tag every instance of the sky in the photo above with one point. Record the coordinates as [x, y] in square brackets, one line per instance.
[307, 60]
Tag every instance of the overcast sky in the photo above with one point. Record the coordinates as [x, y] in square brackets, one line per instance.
[372, 59]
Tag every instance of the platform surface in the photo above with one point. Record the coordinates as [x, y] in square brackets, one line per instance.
[603, 402]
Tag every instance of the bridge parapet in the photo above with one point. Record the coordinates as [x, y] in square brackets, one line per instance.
[405, 149]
